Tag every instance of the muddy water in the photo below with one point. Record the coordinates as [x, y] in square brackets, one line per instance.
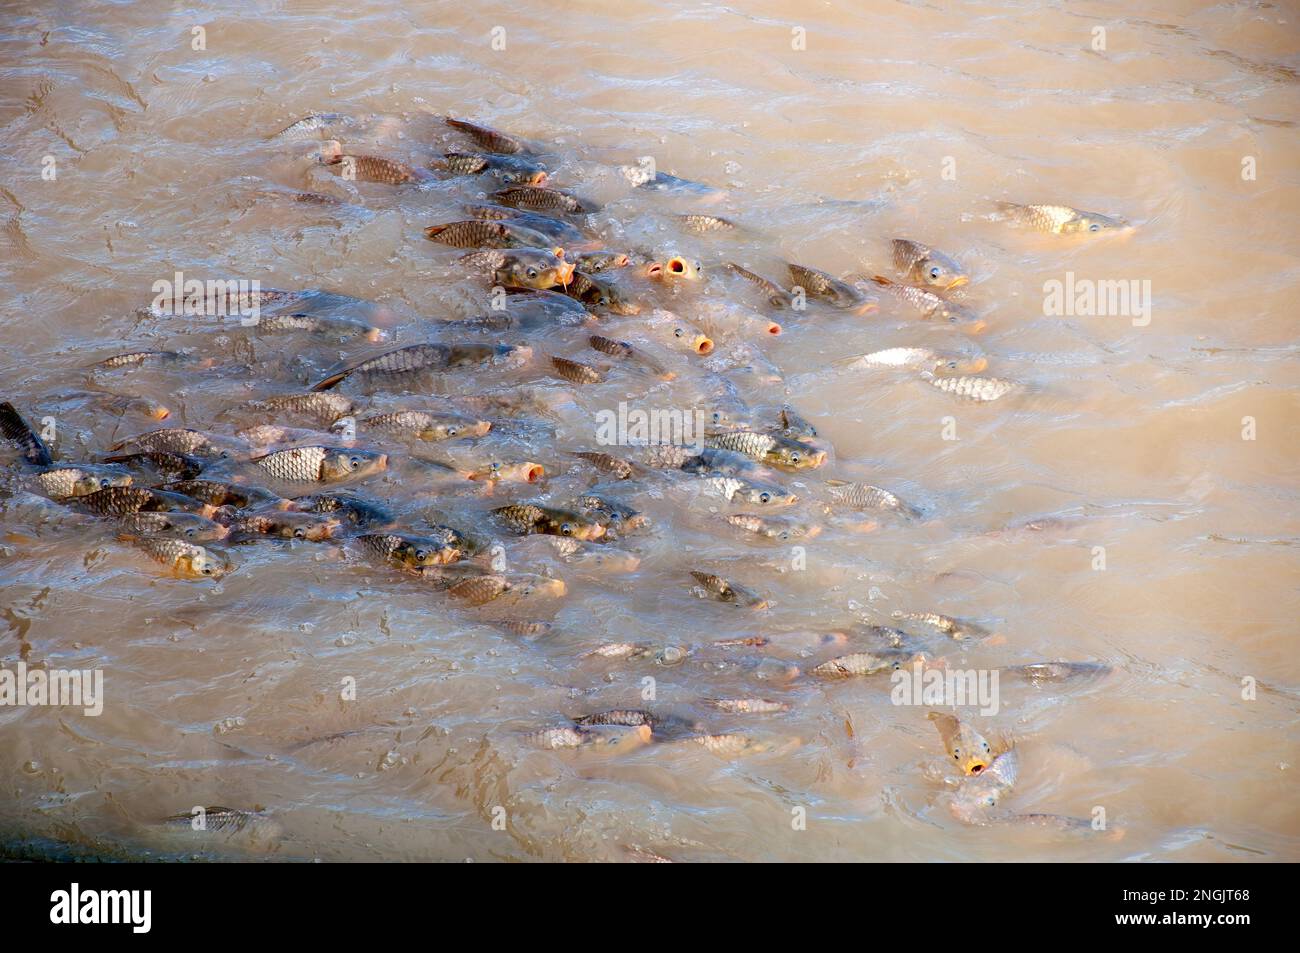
[1169, 555]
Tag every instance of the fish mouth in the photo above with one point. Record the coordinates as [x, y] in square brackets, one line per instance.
[532, 472]
[975, 767]
[702, 345]
[654, 270]
[565, 272]
[537, 178]
[160, 413]
[957, 282]
[773, 328]
[376, 335]
[678, 266]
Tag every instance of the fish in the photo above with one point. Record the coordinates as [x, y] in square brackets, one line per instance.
[745, 490]
[676, 267]
[180, 466]
[857, 663]
[228, 822]
[864, 496]
[119, 404]
[978, 796]
[598, 293]
[1075, 672]
[509, 168]
[531, 629]
[981, 389]
[184, 558]
[322, 408]
[535, 198]
[748, 706]
[320, 464]
[966, 746]
[171, 440]
[626, 352]
[920, 358]
[923, 265]
[407, 552]
[535, 268]
[78, 479]
[679, 334]
[393, 367]
[556, 230]
[341, 326]
[192, 526]
[606, 463]
[626, 717]
[135, 359]
[377, 169]
[475, 233]
[528, 518]
[934, 306]
[217, 494]
[731, 745]
[357, 512]
[777, 296]
[594, 262]
[490, 139]
[773, 527]
[524, 471]
[620, 650]
[304, 128]
[125, 500]
[607, 738]
[616, 517]
[794, 426]
[702, 224]
[427, 426]
[575, 372]
[1060, 219]
[818, 284]
[287, 524]
[957, 629]
[726, 591]
[641, 176]
[16, 430]
[775, 450]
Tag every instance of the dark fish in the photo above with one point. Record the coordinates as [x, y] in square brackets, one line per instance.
[192, 526]
[490, 139]
[594, 262]
[528, 518]
[141, 359]
[320, 407]
[575, 372]
[537, 199]
[286, 524]
[818, 284]
[409, 552]
[184, 558]
[474, 233]
[509, 168]
[607, 463]
[556, 230]
[178, 466]
[321, 464]
[217, 494]
[125, 500]
[171, 440]
[535, 268]
[427, 426]
[78, 479]
[356, 511]
[393, 366]
[777, 296]
[725, 591]
[378, 169]
[14, 428]
[597, 293]
[626, 352]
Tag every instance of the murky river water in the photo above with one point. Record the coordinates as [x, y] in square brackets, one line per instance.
[1159, 454]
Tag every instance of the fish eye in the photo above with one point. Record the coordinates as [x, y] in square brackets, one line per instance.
[354, 462]
[566, 529]
[532, 272]
[299, 533]
[421, 555]
[698, 266]
[451, 431]
[677, 332]
[935, 271]
[206, 570]
[794, 457]
[764, 497]
[1094, 227]
[104, 482]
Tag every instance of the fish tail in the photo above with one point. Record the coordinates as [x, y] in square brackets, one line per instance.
[16, 429]
[433, 230]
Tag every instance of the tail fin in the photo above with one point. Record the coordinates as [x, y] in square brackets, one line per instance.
[14, 428]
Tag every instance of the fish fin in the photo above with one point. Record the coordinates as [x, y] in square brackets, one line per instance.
[332, 381]
[433, 230]
[14, 427]
[882, 280]
[127, 537]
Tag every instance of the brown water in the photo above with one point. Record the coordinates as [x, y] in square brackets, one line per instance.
[228, 693]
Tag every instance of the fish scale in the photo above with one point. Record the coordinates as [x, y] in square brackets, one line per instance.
[974, 388]
[475, 233]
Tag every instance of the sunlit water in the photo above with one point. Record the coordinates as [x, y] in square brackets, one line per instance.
[1173, 559]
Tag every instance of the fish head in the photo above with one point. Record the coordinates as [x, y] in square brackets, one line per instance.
[963, 318]
[937, 270]
[352, 464]
[423, 552]
[89, 481]
[1092, 222]
[763, 495]
[535, 268]
[200, 563]
[691, 339]
[679, 267]
[575, 527]
[796, 456]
